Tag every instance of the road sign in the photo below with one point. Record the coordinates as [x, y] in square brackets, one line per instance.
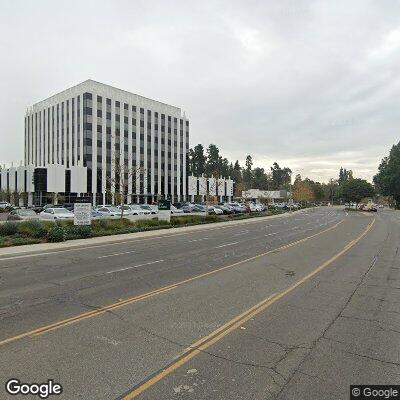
[164, 205]
[164, 210]
[82, 214]
[83, 199]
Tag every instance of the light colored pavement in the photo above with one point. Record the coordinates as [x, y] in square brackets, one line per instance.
[106, 321]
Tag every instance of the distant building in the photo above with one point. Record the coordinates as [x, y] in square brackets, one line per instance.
[264, 196]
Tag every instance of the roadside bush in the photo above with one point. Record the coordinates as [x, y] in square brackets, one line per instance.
[78, 232]
[194, 219]
[57, 233]
[150, 223]
[20, 241]
[34, 229]
[8, 229]
[111, 224]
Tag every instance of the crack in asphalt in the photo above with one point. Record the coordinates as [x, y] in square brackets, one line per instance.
[324, 332]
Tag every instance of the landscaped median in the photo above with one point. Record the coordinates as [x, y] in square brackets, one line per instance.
[38, 231]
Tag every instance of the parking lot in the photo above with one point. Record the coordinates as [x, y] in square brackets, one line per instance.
[136, 212]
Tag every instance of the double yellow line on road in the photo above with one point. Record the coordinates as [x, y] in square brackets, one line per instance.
[135, 299]
[203, 344]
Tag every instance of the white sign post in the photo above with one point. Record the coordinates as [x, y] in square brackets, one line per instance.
[164, 210]
[82, 214]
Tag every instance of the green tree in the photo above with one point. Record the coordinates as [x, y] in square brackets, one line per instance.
[260, 179]
[197, 160]
[387, 180]
[354, 190]
[281, 177]
[247, 173]
[344, 175]
[317, 189]
[213, 160]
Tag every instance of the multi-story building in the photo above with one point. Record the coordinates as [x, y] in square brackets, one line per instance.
[128, 143]
[96, 141]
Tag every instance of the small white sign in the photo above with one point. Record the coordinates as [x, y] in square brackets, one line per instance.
[164, 215]
[82, 214]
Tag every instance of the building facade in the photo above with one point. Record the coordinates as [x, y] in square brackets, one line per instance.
[219, 188]
[123, 143]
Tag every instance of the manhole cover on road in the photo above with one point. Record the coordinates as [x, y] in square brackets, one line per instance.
[290, 273]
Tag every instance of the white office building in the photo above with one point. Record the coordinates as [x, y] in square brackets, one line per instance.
[96, 140]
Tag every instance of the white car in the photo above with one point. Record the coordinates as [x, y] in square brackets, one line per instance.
[215, 210]
[175, 210]
[109, 211]
[58, 213]
[253, 207]
[136, 209]
[4, 204]
[154, 208]
[260, 207]
[149, 208]
[130, 210]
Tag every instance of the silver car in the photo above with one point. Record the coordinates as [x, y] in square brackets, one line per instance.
[58, 213]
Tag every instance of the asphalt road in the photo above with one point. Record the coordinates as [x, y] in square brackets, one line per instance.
[296, 307]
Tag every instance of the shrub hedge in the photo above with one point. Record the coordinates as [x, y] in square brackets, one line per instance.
[28, 232]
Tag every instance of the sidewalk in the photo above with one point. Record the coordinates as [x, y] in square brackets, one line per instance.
[105, 240]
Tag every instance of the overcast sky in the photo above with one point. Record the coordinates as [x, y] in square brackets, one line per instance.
[312, 85]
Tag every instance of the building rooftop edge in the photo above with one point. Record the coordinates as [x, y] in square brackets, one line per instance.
[85, 85]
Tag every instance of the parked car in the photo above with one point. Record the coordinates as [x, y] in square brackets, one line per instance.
[46, 206]
[57, 213]
[138, 208]
[146, 207]
[5, 204]
[252, 207]
[69, 206]
[175, 210]
[224, 209]
[109, 211]
[260, 207]
[182, 204]
[22, 214]
[237, 208]
[187, 208]
[154, 207]
[198, 208]
[97, 215]
[214, 210]
[132, 209]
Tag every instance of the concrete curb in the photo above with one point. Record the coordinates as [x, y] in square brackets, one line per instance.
[113, 239]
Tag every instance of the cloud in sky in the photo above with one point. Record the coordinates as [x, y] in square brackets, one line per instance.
[311, 84]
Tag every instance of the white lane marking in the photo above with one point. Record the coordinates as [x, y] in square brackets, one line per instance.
[271, 234]
[117, 254]
[242, 232]
[134, 266]
[225, 245]
[198, 240]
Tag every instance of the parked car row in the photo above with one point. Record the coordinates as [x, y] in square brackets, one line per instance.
[285, 206]
[65, 211]
[221, 208]
[61, 212]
